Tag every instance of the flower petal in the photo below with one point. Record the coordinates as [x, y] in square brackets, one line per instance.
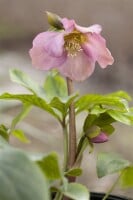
[52, 42]
[78, 67]
[40, 58]
[96, 47]
[101, 138]
[68, 24]
[96, 28]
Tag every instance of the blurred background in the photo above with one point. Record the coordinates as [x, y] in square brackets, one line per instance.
[20, 21]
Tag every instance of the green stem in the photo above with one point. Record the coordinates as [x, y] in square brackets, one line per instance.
[80, 145]
[112, 188]
[58, 196]
[80, 149]
[65, 134]
[72, 127]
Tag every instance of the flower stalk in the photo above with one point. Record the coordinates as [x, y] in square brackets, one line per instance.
[72, 127]
[112, 188]
[72, 146]
[65, 135]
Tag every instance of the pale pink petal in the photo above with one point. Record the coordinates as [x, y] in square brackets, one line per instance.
[96, 47]
[40, 58]
[101, 138]
[91, 29]
[78, 67]
[68, 24]
[53, 42]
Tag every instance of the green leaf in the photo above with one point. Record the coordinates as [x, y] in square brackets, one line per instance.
[4, 143]
[70, 99]
[50, 166]
[121, 117]
[89, 121]
[108, 163]
[90, 100]
[97, 110]
[121, 94]
[62, 105]
[74, 172]
[58, 104]
[55, 85]
[31, 100]
[23, 79]
[104, 119]
[25, 110]
[126, 178]
[76, 191]
[4, 132]
[19, 134]
[20, 178]
[108, 129]
[124, 98]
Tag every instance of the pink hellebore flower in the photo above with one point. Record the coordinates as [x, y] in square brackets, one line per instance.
[73, 50]
[101, 138]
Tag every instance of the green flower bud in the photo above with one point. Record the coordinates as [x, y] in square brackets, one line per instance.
[54, 20]
[93, 131]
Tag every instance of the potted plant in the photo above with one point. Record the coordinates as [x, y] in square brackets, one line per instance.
[69, 52]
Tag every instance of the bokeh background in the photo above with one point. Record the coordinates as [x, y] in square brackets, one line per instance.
[20, 21]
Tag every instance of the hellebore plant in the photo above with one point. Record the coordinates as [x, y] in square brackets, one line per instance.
[72, 51]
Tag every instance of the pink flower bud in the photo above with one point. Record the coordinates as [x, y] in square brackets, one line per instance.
[101, 138]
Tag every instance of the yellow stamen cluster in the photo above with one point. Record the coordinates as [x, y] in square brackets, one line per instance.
[73, 42]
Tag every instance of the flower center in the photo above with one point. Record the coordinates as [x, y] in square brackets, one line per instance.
[73, 42]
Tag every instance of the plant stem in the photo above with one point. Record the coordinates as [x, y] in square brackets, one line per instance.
[72, 134]
[80, 149]
[58, 196]
[72, 127]
[111, 189]
[65, 135]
